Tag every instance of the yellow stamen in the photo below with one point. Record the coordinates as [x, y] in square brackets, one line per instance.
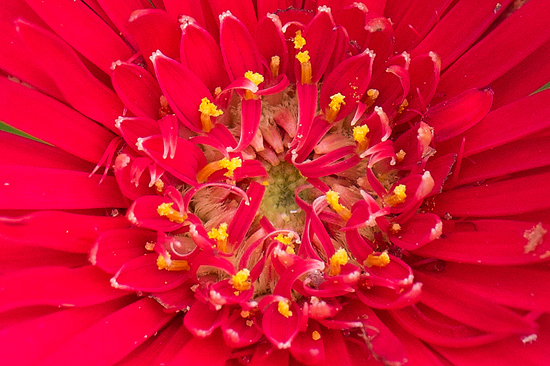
[333, 199]
[305, 64]
[159, 186]
[274, 65]
[402, 106]
[255, 77]
[360, 133]
[334, 106]
[378, 260]
[400, 155]
[150, 246]
[395, 228]
[164, 107]
[175, 264]
[315, 335]
[286, 240]
[337, 260]
[210, 168]
[245, 313]
[284, 309]
[208, 109]
[371, 96]
[241, 281]
[299, 41]
[230, 165]
[165, 209]
[398, 195]
[220, 236]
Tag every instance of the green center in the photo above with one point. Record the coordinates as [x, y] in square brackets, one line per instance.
[278, 204]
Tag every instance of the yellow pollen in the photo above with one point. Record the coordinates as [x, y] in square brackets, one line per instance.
[371, 96]
[240, 281]
[315, 335]
[265, 183]
[165, 209]
[395, 228]
[402, 106]
[299, 41]
[284, 309]
[290, 249]
[159, 186]
[335, 104]
[175, 264]
[303, 57]
[398, 195]
[286, 240]
[333, 199]
[360, 133]
[208, 109]
[337, 260]
[378, 260]
[220, 236]
[245, 313]
[400, 155]
[150, 246]
[230, 165]
[274, 65]
[255, 77]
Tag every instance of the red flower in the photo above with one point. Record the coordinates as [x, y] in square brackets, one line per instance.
[284, 182]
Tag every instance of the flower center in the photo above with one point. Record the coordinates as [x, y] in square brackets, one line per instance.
[279, 204]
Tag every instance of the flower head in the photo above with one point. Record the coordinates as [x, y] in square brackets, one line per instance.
[279, 185]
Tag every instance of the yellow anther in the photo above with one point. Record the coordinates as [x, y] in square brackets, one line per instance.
[305, 67]
[245, 313]
[398, 195]
[371, 96]
[265, 183]
[286, 240]
[395, 228]
[165, 209]
[241, 281]
[159, 186]
[303, 57]
[337, 260]
[334, 106]
[315, 335]
[208, 109]
[284, 309]
[255, 77]
[230, 165]
[274, 65]
[150, 246]
[175, 264]
[290, 249]
[333, 199]
[400, 155]
[220, 236]
[360, 133]
[299, 41]
[402, 106]
[378, 260]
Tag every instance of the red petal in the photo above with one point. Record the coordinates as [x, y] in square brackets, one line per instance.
[202, 320]
[239, 50]
[251, 113]
[417, 231]
[127, 182]
[454, 116]
[201, 54]
[477, 67]
[271, 40]
[505, 285]
[320, 37]
[57, 230]
[241, 9]
[455, 301]
[508, 197]
[143, 213]
[113, 248]
[142, 274]
[306, 349]
[468, 18]
[491, 242]
[281, 330]
[238, 332]
[17, 61]
[52, 121]
[137, 88]
[350, 78]
[42, 188]
[125, 334]
[154, 29]
[57, 286]
[77, 24]
[28, 342]
[210, 351]
[187, 162]
[178, 8]
[183, 89]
